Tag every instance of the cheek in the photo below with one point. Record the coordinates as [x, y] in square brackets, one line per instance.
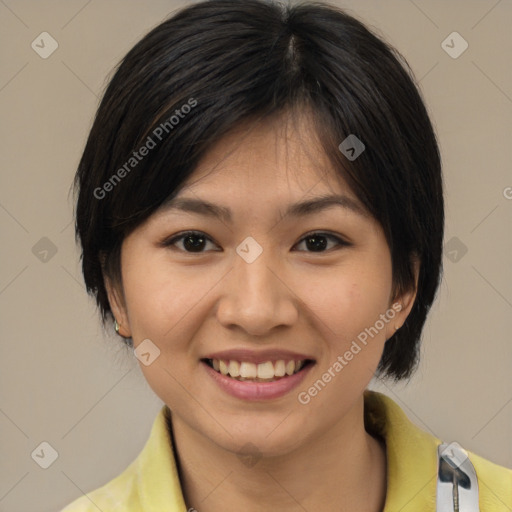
[162, 306]
[348, 322]
[159, 299]
[349, 301]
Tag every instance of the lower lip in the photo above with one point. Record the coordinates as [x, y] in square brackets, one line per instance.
[248, 390]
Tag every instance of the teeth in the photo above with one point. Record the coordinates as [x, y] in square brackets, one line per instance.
[234, 368]
[248, 370]
[223, 367]
[279, 368]
[263, 371]
[266, 370]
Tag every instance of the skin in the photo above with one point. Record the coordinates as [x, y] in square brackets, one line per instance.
[190, 304]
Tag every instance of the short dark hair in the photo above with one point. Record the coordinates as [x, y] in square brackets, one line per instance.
[216, 64]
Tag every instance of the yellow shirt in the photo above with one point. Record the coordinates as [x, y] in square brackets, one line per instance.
[151, 482]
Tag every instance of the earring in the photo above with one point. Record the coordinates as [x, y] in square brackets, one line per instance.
[397, 327]
[116, 326]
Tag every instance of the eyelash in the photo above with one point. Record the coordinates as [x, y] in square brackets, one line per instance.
[170, 242]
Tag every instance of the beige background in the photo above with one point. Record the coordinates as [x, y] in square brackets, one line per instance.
[66, 382]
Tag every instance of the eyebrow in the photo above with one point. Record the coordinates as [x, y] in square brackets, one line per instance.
[300, 209]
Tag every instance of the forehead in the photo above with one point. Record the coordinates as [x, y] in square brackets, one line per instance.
[277, 157]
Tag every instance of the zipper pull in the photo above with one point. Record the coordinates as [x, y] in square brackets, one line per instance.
[457, 484]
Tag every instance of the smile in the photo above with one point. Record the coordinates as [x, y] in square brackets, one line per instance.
[268, 371]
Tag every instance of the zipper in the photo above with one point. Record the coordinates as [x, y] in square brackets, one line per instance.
[457, 483]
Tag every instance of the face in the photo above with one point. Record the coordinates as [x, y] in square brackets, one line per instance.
[253, 290]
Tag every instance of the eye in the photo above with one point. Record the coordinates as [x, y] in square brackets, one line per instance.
[317, 241]
[195, 241]
[192, 241]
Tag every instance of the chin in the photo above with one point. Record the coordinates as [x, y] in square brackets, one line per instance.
[261, 439]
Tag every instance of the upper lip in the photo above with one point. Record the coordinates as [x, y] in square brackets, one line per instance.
[256, 357]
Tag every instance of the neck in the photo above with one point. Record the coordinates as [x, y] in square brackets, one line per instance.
[343, 469]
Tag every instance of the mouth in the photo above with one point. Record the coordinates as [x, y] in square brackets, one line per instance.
[268, 371]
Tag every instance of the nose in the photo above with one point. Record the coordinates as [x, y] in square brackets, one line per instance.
[256, 297]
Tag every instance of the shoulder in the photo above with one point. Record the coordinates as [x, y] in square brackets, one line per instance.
[412, 456]
[494, 484]
[151, 481]
[120, 491]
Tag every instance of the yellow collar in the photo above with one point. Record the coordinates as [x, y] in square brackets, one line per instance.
[411, 455]
[151, 482]
[411, 460]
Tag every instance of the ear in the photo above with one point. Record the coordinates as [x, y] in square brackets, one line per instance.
[402, 303]
[118, 307]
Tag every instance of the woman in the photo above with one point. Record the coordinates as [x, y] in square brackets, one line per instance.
[260, 211]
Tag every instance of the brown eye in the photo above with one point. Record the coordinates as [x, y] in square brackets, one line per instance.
[195, 242]
[191, 241]
[317, 242]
